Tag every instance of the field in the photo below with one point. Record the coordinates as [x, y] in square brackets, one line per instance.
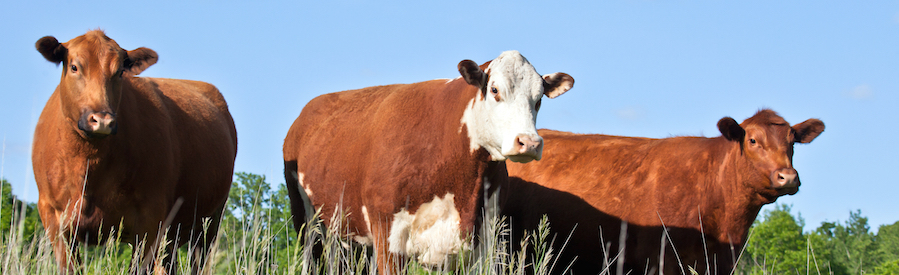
[256, 237]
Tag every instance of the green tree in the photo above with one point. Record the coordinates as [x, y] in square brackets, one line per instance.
[11, 215]
[887, 268]
[258, 225]
[777, 244]
[852, 247]
[888, 242]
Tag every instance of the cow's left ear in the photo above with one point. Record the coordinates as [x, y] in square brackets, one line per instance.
[139, 60]
[556, 84]
[472, 73]
[51, 49]
[731, 130]
[808, 130]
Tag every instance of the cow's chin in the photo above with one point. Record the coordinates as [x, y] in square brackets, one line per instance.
[521, 158]
[788, 191]
[93, 135]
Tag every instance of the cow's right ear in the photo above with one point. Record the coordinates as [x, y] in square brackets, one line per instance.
[472, 73]
[556, 84]
[139, 60]
[51, 49]
[730, 129]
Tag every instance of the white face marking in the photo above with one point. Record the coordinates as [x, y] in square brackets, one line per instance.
[431, 235]
[495, 121]
[307, 202]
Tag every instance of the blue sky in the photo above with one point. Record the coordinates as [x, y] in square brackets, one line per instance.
[641, 68]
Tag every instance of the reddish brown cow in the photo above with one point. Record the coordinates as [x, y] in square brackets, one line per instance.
[706, 192]
[111, 148]
[408, 162]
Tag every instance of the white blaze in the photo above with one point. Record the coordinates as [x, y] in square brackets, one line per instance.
[494, 122]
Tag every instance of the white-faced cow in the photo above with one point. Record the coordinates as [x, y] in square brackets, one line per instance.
[704, 192]
[408, 162]
[111, 148]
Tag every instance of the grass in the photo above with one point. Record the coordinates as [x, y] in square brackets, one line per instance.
[255, 243]
[250, 245]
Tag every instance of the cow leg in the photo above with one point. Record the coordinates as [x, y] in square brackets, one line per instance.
[66, 251]
[302, 213]
[297, 206]
[170, 260]
[388, 262]
[147, 249]
[204, 237]
[151, 262]
[64, 247]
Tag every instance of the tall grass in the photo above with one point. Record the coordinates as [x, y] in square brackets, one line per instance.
[256, 241]
[249, 245]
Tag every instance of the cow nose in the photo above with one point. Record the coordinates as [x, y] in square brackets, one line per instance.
[527, 148]
[98, 123]
[785, 178]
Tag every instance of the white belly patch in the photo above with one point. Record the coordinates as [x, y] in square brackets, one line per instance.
[431, 235]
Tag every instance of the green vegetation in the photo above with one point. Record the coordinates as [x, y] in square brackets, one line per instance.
[779, 246]
[257, 237]
[26, 212]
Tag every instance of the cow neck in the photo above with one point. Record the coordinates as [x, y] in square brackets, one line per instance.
[456, 97]
[461, 94]
[742, 203]
[92, 155]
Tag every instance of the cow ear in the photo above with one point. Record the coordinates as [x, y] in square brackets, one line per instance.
[472, 73]
[556, 84]
[51, 49]
[730, 129]
[808, 130]
[139, 59]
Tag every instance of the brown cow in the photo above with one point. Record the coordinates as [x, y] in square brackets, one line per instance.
[705, 191]
[408, 162]
[111, 148]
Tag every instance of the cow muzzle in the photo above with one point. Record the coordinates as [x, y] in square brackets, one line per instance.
[526, 148]
[785, 179]
[97, 124]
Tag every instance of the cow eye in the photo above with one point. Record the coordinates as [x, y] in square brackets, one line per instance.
[752, 140]
[74, 69]
[494, 93]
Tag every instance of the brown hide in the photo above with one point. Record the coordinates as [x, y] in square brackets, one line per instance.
[705, 191]
[375, 152]
[175, 140]
[378, 163]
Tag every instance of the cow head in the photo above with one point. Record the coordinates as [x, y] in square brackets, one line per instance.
[94, 67]
[502, 118]
[766, 140]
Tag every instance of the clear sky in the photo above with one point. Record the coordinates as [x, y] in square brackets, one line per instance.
[641, 68]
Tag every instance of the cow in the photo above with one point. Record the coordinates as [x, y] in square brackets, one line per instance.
[146, 157]
[408, 163]
[695, 197]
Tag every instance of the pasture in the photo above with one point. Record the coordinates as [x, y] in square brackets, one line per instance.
[256, 237]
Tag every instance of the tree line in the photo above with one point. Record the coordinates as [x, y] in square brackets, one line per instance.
[778, 245]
